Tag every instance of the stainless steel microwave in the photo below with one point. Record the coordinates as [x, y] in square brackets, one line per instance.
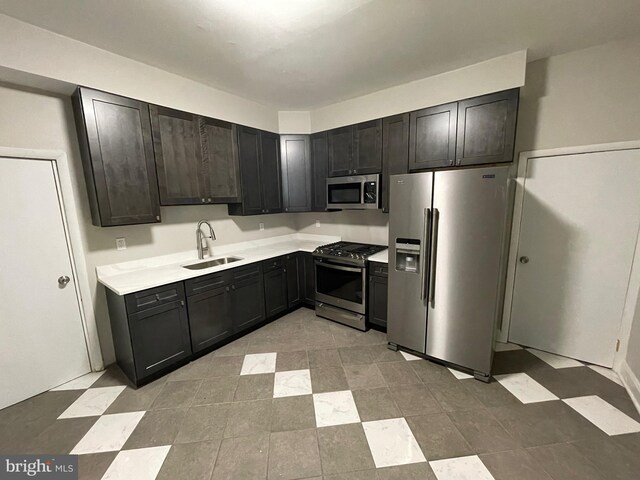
[358, 192]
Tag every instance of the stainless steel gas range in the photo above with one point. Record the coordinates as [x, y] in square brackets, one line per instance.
[341, 279]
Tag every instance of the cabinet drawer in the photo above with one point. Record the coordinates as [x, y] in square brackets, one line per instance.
[379, 269]
[249, 271]
[139, 301]
[207, 282]
[272, 264]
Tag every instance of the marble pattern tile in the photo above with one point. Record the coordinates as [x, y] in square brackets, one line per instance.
[460, 375]
[392, 443]
[141, 464]
[608, 373]
[259, 363]
[408, 357]
[92, 402]
[335, 408]
[109, 433]
[461, 468]
[292, 383]
[603, 415]
[80, 383]
[525, 388]
[506, 347]
[556, 361]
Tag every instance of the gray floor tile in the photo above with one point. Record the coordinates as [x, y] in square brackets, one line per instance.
[60, 437]
[324, 357]
[375, 404]
[157, 428]
[613, 460]
[254, 387]
[136, 400]
[328, 379]
[286, 345]
[415, 400]
[358, 355]
[359, 475]
[490, 394]
[177, 394]
[292, 413]
[454, 397]
[382, 354]
[191, 461]
[292, 361]
[248, 418]
[344, 448]
[216, 390]
[364, 376]
[94, 465]
[223, 366]
[235, 348]
[399, 373]
[482, 431]
[565, 462]
[242, 458]
[431, 372]
[517, 361]
[294, 455]
[206, 422]
[576, 382]
[438, 437]
[111, 378]
[514, 464]
[414, 471]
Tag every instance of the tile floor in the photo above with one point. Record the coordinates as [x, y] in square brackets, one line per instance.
[304, 398]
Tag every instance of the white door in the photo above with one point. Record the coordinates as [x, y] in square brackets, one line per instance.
[42, 341]
[579, 230]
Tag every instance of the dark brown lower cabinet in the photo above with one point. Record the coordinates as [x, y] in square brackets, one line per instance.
[309, 276]
[378, 295]
[247, 299]
[210, 318]
[275, 292]
[295, 279]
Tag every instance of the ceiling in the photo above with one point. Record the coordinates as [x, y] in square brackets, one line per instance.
[303, 54]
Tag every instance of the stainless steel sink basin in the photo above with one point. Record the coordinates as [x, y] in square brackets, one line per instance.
[211, 263]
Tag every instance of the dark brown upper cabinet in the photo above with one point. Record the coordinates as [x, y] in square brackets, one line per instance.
[219, 146]
[340, 148]
[486, 128]
[432, 137]
[259, 154]
[395, 151]
[117, 153]
[296, 172]
[367, 158]
[176, 140]
[320, 168]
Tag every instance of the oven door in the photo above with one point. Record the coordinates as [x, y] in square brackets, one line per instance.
[341, 285]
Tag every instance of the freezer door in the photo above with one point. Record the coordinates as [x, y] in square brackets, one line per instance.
[409, 227]
[471, 212]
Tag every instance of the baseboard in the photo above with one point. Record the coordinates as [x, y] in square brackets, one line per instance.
[631, 383]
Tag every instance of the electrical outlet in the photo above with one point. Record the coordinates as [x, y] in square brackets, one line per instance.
[261, 225]
[317, 223]
[121, 244]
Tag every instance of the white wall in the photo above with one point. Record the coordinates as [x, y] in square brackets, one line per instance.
[369, 226]
[294, 122]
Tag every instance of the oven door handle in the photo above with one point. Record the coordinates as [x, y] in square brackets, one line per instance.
[339, 267]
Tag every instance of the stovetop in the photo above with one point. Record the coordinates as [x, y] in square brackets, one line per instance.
[350, 251]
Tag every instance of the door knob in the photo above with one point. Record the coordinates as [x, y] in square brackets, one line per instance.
[62, 281]
[524, 259]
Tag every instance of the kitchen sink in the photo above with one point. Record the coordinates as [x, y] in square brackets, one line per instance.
[212, 263]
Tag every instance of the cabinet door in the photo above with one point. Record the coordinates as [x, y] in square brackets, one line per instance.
[432, 137]
[294, 270]
[296, 172]
[368, 147]
[270, 178]
[249, 150]
[178, 157]
[320, 167]
[221, 162]
[395, 151]
[275, 292]
[248, 303]
[309, 278]
[487, 128]
[340, 146]
[117, 153]
[378, 292]
[159, 337]
[209, 318]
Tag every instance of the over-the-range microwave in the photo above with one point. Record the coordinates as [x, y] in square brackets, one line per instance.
[357, 192]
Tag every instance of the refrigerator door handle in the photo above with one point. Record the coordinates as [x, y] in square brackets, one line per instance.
[434, 255]
[425, 246]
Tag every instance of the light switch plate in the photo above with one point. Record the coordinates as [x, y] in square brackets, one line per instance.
[261, 225]
[121, 244]
[317, 223]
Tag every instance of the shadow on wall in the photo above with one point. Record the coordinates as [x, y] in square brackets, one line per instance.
[534, 90]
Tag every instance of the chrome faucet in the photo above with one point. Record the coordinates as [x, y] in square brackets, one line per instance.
[200, 236]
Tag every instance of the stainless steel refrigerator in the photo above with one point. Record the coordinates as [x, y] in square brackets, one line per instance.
[448, 243]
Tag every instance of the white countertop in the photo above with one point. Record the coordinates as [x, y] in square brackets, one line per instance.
[382, 257]
[134, 276]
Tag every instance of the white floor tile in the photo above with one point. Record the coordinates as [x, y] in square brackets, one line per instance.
[80, 383]
[141, 464]
[335, 408]
[392, 443]
[108, 434]
[259, 363]
[607, 372]
[506, 347]
[556, 361]
[292, 383]
[461, 468]
[525, 388]
[603, 415]
[92, 402]
[408, 357]
[460, 375]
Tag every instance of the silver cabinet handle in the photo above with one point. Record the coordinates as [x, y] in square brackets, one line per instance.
[425, 246]
[434, 256]
[62, 281]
